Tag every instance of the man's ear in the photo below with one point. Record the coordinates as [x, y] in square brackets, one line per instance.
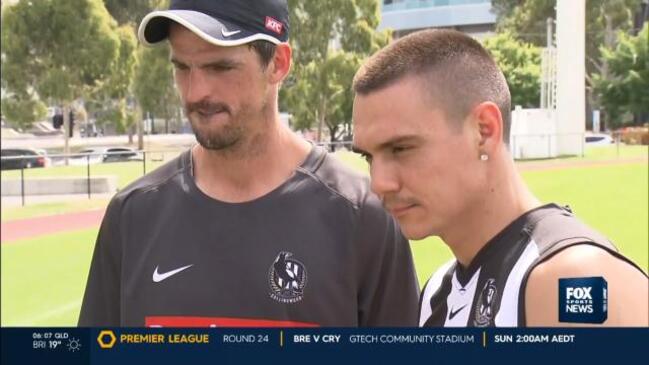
[280, 65]
[490, 125]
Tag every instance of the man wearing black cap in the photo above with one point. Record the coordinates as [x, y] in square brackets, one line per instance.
[253, 226]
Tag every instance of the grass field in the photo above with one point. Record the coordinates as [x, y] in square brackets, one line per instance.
[43, 278]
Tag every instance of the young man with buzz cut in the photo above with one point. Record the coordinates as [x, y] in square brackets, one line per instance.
[432, 118]
[253, 226]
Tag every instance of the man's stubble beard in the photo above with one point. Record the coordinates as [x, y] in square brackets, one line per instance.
[237, 135]
[226, 137]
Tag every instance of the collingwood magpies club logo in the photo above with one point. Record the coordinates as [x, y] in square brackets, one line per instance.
[484, 310]
[287, 277]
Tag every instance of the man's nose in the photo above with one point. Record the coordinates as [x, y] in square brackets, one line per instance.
[197, 87]
[384, 179]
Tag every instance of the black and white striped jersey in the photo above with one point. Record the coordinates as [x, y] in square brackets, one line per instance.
[488, 292]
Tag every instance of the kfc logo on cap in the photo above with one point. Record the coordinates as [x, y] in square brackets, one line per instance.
[273, 25]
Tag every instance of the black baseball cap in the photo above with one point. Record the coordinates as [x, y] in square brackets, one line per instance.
[220, 22]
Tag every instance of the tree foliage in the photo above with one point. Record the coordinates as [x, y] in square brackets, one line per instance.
[605, 19]
[521, 64]
[153, 84]
[129, 11]
[627, 88]
[22, 110]
[56, 50]
[109, 102]
[152, 79]
[60, 48]
[329, 40]
[526, 19]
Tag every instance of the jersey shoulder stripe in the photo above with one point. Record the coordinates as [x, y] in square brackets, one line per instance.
[432, 287]
[508, 313]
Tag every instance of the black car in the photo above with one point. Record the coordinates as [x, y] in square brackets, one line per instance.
[32, 158]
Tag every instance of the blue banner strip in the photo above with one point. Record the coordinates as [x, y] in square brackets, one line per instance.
[321, 346]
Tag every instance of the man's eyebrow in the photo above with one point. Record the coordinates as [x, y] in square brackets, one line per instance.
[398, 140]
[223, 63]
[389, 144]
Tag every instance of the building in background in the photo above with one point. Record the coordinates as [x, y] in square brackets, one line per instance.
[469, 16]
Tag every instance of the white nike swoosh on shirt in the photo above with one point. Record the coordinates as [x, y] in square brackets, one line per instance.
[158, 277]
[228, 34]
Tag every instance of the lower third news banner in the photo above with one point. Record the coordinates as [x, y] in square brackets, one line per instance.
[320, 345]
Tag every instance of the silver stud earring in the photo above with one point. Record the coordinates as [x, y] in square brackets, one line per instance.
[484, 157]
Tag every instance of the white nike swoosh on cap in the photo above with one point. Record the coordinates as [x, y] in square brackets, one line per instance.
[228, 34]
[158, 277]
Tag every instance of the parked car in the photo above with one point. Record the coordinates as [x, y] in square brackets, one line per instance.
[119, 154]
[11, 158]
[598, 139]
[105, 154]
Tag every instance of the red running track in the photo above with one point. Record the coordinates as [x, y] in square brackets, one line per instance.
[33, 227]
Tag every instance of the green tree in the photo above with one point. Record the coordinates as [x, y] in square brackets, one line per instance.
[58, 50]
[521, 64]
[130, 11]
[109, 102]
[626, 88]
[526, 20]
[329, 39]
[22, 110]
[153, 85]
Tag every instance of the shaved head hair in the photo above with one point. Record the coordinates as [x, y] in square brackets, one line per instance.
[454, 70]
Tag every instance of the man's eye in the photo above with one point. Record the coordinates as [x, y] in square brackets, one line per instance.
[399, 149]
[180, 67]
[220, 68]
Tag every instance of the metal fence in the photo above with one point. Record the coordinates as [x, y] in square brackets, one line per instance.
[84, 166]
[80, 166]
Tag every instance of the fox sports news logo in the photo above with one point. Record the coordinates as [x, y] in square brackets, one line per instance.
[583, 300]
[579, 299]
